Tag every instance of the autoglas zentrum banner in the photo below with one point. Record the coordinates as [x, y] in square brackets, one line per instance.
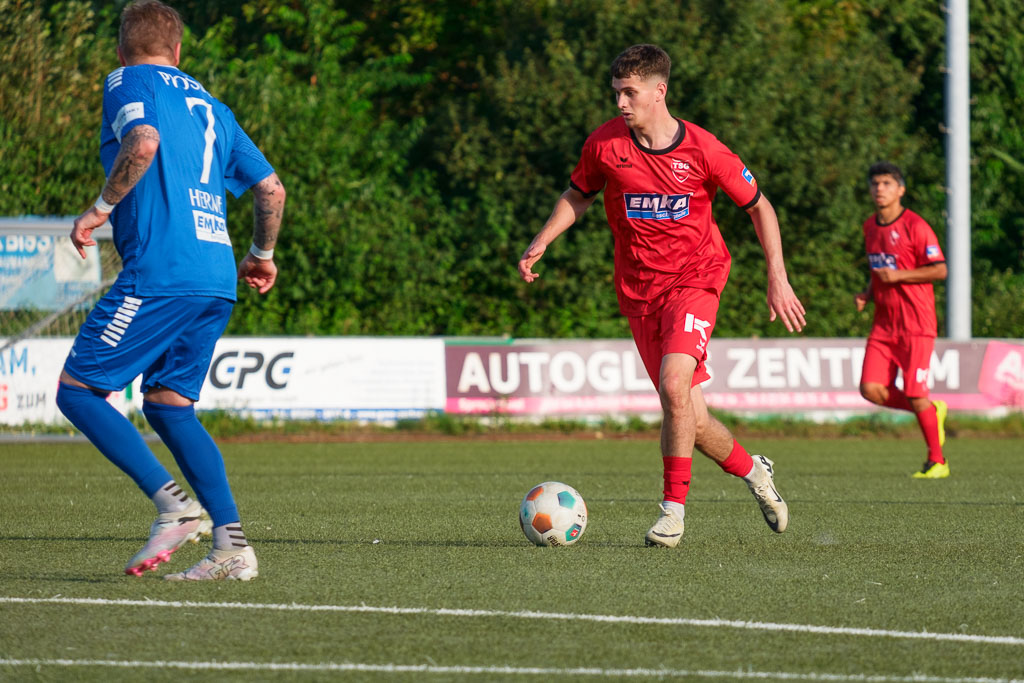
[783, 375]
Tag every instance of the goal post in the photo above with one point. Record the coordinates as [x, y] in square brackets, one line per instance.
[46, 288]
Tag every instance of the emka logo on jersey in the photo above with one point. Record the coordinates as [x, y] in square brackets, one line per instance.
[658, 207]
[879, 261]
[680, 170]
[208, 213]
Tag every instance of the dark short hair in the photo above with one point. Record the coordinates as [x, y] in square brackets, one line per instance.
[642, 61]
[887, 168]
[149, 28]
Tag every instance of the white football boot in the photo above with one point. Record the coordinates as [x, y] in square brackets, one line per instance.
[762, 485]
[170, 531]
[233, 564]
[667, 531]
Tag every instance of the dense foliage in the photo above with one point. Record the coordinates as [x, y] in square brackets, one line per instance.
[423, 144]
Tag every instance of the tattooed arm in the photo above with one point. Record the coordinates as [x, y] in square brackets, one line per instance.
[268, 209]
[138, 149]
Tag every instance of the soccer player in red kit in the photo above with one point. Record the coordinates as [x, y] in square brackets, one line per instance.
[905, 259]
[660, 175]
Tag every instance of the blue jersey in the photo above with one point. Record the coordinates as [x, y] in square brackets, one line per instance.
[171, 229]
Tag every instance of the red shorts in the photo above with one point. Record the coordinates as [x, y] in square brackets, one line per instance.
[913, 355]
[683, 324]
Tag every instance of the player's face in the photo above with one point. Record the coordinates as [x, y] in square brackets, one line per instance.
[637, 99]
[886, 191]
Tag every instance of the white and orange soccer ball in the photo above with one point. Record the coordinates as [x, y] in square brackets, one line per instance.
[553, 513]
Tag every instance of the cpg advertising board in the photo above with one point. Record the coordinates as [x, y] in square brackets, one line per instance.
[353, 378]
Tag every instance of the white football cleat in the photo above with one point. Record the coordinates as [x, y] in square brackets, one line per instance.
[233, 564]
[762, 485]
[170, 531]
[667, 531]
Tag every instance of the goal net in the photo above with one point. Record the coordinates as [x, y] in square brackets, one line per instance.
[46, 288]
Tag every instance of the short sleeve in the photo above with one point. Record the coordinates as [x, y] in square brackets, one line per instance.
[588, 178]
[128, 101]
[246, 164]
[729, 173]
[926, 244]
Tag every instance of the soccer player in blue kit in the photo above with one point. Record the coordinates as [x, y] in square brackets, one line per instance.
[170, 149]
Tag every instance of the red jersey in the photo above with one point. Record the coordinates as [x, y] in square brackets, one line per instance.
[658, 204]
[902, 309]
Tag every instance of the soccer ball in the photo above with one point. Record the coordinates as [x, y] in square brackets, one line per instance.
[553, 513]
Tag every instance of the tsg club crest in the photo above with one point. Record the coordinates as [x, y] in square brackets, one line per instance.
[680, 170]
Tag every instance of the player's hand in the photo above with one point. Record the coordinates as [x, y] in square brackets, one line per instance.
[530, 257]
[81, 233]
[782, 303]
[861, 300]
[888, 275]
[260, 274]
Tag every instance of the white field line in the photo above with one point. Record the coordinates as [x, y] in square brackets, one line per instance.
[496, 670]
[549, 616]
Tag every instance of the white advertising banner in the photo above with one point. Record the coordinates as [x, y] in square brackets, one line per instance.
[358, 378]
[29, 372]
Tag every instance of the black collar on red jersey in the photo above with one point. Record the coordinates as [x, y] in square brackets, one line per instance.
[680, 136]
[894, 220]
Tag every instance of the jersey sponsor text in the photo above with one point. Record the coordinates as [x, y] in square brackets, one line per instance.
[881, 261]
[211, 228]
[207, 201]
[659, 207]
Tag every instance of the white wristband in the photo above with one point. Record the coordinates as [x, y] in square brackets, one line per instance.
[102, 206]
[265, 254]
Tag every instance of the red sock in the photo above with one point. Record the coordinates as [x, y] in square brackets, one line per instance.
[739, 462]
[897, 399]
[929, 422]
[677, 479]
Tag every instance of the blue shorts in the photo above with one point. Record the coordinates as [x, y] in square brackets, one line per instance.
[169, 340]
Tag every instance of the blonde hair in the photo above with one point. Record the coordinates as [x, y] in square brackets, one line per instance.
[149, 28]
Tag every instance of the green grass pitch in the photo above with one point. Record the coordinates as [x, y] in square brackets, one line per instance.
[879, 577]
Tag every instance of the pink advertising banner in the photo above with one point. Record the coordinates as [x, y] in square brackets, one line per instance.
[604, 377]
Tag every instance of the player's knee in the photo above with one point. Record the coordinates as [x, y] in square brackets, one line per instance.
[875, 393]
[70, 398]
[675, 393]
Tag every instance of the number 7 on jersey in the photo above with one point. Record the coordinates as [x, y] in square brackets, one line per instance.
[210, 137]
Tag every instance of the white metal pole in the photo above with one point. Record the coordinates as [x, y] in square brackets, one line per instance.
[958, 171]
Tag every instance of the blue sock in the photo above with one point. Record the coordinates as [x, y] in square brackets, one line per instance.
[197, 456]
[113, 435]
